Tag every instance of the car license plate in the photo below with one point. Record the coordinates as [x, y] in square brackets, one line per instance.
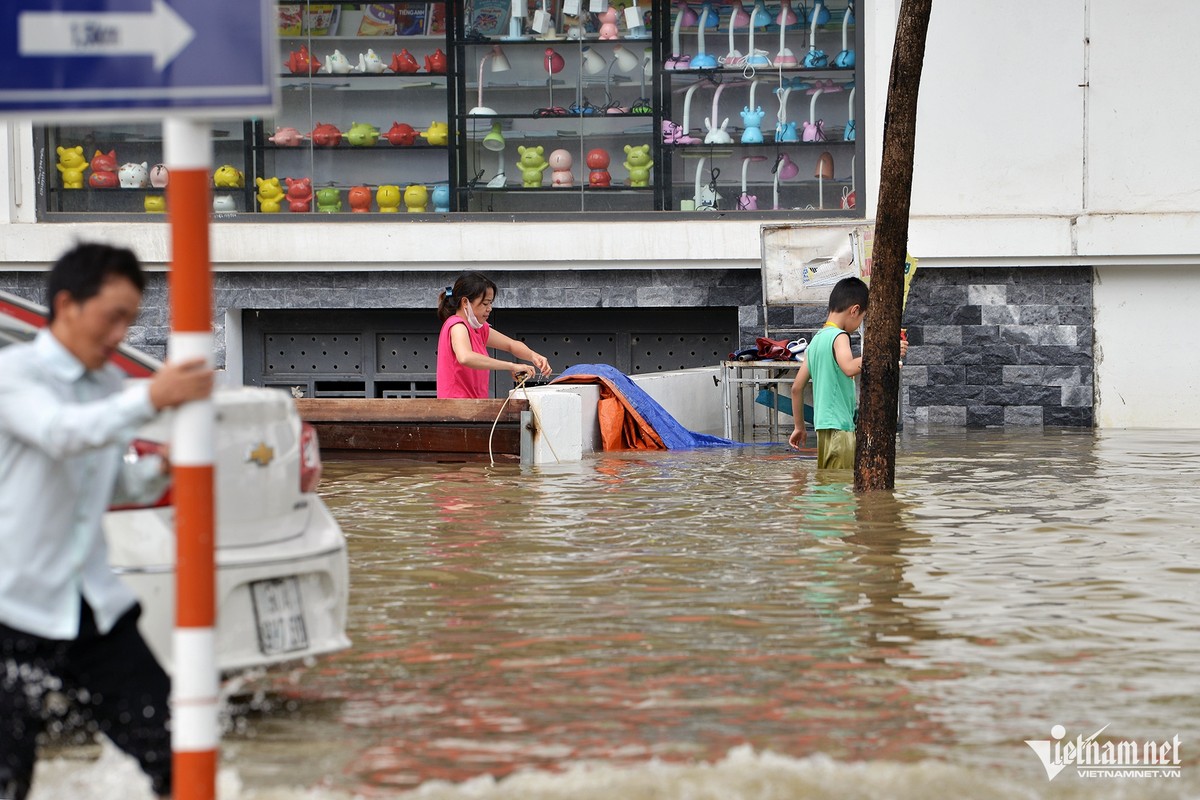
[279, 611]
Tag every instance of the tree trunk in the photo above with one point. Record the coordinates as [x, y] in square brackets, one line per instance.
[875, 453]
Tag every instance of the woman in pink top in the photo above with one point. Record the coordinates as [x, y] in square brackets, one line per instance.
[463, 362]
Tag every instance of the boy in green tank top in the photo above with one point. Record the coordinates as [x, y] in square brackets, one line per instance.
[831, 365]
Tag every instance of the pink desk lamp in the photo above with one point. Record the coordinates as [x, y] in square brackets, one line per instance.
[738, 18]
[785, 57]
[747, 201]
[684, 17]
[785, 170]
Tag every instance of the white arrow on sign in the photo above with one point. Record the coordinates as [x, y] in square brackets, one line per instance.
[161, 33]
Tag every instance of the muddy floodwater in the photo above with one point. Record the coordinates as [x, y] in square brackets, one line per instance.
[730, 624]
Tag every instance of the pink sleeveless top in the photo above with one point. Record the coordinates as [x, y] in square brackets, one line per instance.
[454, 379]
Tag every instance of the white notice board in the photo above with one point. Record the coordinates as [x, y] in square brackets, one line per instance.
[802, 261]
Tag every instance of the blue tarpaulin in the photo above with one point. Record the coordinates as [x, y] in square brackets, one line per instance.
[645, 411]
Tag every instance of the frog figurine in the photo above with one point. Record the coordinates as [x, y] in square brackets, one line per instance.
[300, 62]
[329, 200]
[338, 64]
[637, 161]
[387, 197]
[360, 199]
[270, 195]
[71, 164]
[104, 170]
[437, 135]
[134, 176]
[441, 197]
[227, 176]
[532, 165]
[362, 134]
[299, 194]
[369, 63]
[416, 198]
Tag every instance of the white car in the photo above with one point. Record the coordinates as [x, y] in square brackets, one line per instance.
[282, 572]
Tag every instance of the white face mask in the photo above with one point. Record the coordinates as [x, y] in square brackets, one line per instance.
[472, 320]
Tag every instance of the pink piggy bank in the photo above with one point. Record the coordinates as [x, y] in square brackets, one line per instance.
[326, 135]
[286, 137]
[401, 134]
[299, 194]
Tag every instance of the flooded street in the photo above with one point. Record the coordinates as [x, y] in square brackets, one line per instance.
[729, 624]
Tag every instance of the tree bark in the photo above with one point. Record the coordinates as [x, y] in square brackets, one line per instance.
[875, 452]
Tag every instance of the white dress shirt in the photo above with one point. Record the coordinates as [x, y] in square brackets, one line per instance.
[63, 433]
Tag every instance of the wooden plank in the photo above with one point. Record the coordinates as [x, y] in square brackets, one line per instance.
[355, 409]
[414, 438]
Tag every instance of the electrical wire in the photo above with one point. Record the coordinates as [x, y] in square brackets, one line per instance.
[537, 421]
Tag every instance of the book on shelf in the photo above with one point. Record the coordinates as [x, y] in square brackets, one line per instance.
[488, 17]
[411, 19]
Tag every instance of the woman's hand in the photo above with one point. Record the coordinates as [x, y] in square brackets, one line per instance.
[543, 366]
[520, 371]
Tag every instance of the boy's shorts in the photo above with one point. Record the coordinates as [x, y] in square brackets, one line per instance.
[835, 449]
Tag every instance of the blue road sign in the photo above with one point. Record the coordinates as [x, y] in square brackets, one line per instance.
[69, 59]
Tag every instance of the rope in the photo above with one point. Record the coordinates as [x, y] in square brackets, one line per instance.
[537, 421]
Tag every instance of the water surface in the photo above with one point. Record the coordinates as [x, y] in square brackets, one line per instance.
[731, 624]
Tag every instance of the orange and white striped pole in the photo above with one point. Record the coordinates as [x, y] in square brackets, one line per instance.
[195, 735]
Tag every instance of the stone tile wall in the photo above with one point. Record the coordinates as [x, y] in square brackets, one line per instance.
[991, 347]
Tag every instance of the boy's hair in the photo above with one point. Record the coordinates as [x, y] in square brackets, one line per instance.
[848, 292]
[471, 285]
[83, 270]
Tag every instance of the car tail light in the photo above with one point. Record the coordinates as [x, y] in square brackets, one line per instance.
[310, 458]
[139, 449]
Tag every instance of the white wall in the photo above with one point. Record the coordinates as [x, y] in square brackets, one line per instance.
[1147, 359]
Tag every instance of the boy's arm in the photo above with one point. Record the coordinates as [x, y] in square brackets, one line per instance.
[845, 356]
[799, 435]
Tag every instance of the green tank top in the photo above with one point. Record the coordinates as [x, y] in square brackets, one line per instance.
[833, 390]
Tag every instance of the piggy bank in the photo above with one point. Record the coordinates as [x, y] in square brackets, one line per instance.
[560, 164]
[370, 63]
[104, 170]
[329, 199]
[532, 165]
[404, 62]
[416, 197]
[362, 135]
[441, 197]
[159, 176]
[134, 176]
[401, 134]
[299, 194]
[301, 63]
[326, 135]
[435, 62]
[224, 203]
[637, 161]
[72, 164]
[270, 194]
[597, 161]
[388, 198]
[360, 199]
[226, 176]
[286, 137]
[154, 204]
[338, 64]
[438, 133]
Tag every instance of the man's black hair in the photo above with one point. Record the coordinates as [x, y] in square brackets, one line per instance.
[83, 270]
[848, 292]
